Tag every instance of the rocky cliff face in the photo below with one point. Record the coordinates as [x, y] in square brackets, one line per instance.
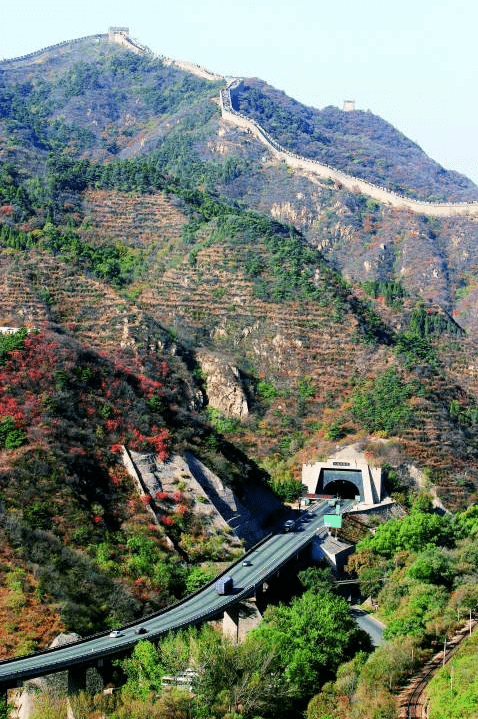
[224, 388]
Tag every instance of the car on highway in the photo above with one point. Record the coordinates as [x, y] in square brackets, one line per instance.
[116, 633]
[289, 525]
[140, 630]
[247, 563]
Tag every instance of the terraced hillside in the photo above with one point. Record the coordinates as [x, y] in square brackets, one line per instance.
[127, 221]
[147, 240]
[306, 344]
[96, 99]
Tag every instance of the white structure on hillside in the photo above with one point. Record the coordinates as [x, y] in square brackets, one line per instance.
[347, 474]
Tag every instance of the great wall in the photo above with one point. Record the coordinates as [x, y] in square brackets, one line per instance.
[233, 86]
[325, 172]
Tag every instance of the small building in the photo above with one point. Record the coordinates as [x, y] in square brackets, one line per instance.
[349, 105]
[333, 550]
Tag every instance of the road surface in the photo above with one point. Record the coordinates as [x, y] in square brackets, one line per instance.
[265, 561]
[369, 624]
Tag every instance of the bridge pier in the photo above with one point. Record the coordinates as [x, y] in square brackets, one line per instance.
[76, 680]
[239, 619]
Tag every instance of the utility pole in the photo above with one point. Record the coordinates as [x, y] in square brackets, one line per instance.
[444, 651]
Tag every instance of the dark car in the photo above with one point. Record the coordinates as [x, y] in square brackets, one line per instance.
[140, 630]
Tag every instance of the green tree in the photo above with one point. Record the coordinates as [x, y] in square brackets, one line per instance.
[419, 611]
[414, 532]
[384, 406]
[324, 704]
[317, 579]
[11, 436]
[466, 522]
[144, 670]
[433, 566]
[197, 578]
[312, 637]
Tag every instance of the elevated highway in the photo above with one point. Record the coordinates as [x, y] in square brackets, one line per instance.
[265, 560]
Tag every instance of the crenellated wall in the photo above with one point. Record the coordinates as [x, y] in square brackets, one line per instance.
[193, 69]
[355, 184]
[233, 87]
[38, 53]
[115, 34]
[122, 37]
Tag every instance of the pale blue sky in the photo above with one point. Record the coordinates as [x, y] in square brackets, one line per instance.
[412, 62]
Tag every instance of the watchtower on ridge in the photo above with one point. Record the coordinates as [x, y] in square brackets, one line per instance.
[113, 30]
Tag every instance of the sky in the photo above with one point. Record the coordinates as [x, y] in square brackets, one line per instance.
[412, 62]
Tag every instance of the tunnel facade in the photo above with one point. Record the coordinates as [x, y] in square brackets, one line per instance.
[348, 475]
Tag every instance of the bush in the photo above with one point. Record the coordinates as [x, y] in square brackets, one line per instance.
[384, 406]
[11, 436]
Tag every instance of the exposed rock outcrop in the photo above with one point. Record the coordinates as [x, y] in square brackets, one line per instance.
[224, 387]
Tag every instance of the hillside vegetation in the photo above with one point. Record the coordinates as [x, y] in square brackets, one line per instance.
[357, 142]
[100, 101]
[70, 511]
[139, 234]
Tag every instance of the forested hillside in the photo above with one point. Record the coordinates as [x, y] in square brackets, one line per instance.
[357, 142]
[142, 238]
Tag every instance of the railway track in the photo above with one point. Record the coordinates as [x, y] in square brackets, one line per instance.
[413, 700]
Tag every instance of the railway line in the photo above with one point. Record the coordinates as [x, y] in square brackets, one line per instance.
[414, 700]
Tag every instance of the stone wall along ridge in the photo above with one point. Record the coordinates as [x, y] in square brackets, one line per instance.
[194, 69]
[118, 36]
[326, 172]
[49, 48]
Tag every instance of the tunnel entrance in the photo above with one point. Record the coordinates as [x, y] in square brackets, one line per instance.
[343, 489]
[345, 483]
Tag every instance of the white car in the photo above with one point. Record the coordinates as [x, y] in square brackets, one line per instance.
[116, 633]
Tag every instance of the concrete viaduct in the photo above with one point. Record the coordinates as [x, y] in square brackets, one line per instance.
[265, 560]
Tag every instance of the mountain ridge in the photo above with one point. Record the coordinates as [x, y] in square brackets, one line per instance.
[327, 172]
[137, 226]
[324, 170]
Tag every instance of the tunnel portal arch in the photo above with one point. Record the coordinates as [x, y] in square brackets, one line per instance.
[342, 488]
[348, 474]
[346, 483]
